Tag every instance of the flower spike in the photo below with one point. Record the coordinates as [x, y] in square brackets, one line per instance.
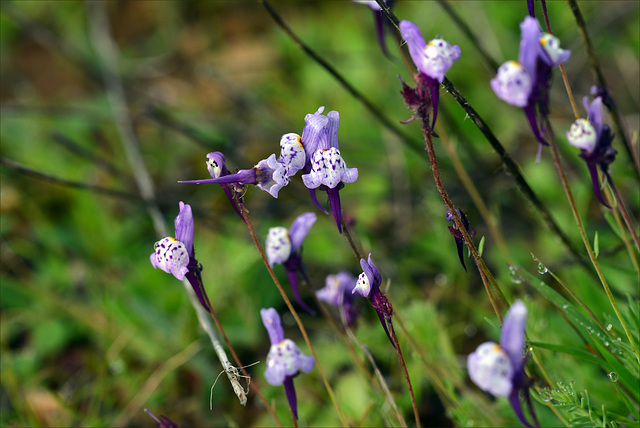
[284, 361]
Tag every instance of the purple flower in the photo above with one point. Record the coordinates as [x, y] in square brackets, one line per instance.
[324, 167]
[499, 369]
[381, 22]
[526, 83]
[336, 293]
[163, 421]
[284, 361]
[176, 255]
[457, 235]
[282, 247]
[432, 60]
[594, 141]
[368, 286]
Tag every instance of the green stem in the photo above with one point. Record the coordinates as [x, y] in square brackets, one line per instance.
[585, 239]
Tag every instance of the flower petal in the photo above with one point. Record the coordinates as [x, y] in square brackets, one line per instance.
[184, 227]
[271, 321]
[512, 336]
[513, 84]
[171, 256]
[582, 135]
[490, 368]
[278, 245]
[300, 228]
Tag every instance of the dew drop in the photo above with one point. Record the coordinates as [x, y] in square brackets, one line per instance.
[609, 327]
[545, 394]
[542, 269]
[514, 275]
[613, 376]
[606, 343]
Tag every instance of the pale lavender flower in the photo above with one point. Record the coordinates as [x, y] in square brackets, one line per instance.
[176, 255]
[325, 169]
[282, 247]
[499, 368]
[336, 292]
[594, 141]
[284, 361]
[525, 83]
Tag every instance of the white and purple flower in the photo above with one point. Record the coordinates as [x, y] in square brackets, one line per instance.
[499, 368]
[336, 292]
[285, 360]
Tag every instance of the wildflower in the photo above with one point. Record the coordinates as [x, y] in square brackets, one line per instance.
[163, 421]
[499, 369]
[324, 167]
[368, 286]
[176, 255]
[282, 247]
[594, 141]
[458, 235]
[526, 82]
[336, 293]
[380, 20]
[285, 360]
[432, 60]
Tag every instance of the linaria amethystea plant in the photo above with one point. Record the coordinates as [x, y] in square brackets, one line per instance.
[594, 141]
[176, 255]
[499, 368]
[458, 235]
[432, 60]
[368, 286]
[283, 247]
[336, 292]
[324, 168]
[284, 361]
[525, 83]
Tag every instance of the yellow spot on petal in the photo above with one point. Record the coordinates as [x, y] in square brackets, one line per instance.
[496, 348]
[543, 41]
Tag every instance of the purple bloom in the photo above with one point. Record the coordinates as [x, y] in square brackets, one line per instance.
[458, 235]
[368, 286]
[432, 60]
[526, 83]
[163, 421]
[285, 360]
[324, 167]
[336, 293]
[176, 255]
[594, 141]
[282, 247]
[499, 369]
[380, 20]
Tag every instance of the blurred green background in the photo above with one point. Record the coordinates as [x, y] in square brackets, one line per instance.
[91, 333]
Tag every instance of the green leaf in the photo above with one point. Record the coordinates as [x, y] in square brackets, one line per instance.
[570, 350]
[481, 246]
[596, 245]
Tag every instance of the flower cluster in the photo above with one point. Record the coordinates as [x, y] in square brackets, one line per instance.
[432, 60]
[499, 368]
[525, 83]
[284, 361]
[282, 247]
[594, 141]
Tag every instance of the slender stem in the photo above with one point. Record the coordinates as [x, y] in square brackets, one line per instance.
[294, 313]
[609, 101]
[585, 239]
[474, 193]
[623, 211]
[405, 371]
[623, 235]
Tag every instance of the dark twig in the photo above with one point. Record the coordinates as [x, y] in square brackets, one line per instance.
[608, 99]
[69, 183]
[488, 59]
[77, 149]
[414, 144]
